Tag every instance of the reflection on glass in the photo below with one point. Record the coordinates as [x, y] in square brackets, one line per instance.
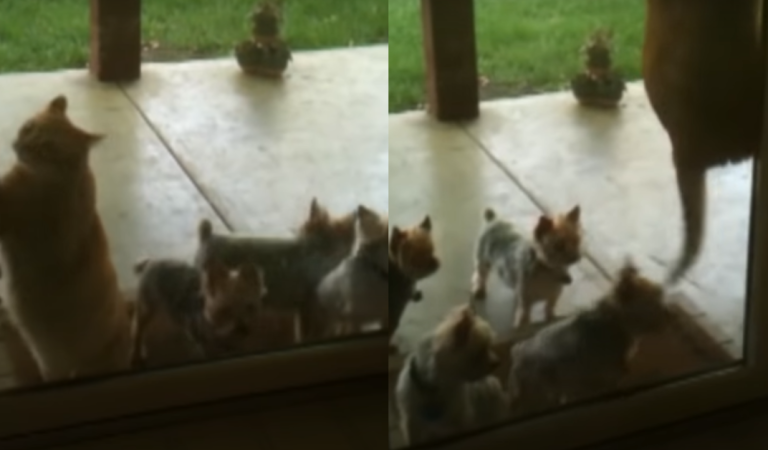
[65, 316]
[557, 217]
[118, 252]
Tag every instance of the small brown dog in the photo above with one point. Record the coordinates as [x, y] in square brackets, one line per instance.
[536, 269]
[447, 385]
[589, 353]
[211, 311]
[63, 297]
[411, 259]
[293, 266]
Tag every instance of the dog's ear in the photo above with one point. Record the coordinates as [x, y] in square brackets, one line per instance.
[544, 227]
[463, 329]
[314, 210]
[395, 240]
[574, 215]
[426, 224]
[216, 273]
[627, 282]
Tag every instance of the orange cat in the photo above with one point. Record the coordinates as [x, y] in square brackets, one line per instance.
[63, 290]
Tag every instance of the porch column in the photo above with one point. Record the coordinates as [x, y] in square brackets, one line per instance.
[115, 40]
[451, 59]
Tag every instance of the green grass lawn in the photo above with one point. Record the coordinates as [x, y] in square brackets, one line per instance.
[39, 35]
[524, 46]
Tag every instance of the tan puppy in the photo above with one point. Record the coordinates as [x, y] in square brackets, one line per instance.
[63, 292]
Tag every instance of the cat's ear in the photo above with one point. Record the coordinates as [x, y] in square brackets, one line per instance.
[58, 105]
[574, 215]
[426, 224]
[544, 227]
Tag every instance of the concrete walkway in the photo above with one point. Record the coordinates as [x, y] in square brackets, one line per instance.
[545, 153]
[199, 139]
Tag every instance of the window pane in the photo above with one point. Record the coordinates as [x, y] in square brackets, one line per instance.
[239, 196]
[537, 206]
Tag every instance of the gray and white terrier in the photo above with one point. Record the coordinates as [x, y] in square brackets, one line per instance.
[536, 269]
[356, 293]
[588, 353]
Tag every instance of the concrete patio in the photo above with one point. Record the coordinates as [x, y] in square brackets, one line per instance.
[545, 153]
[199, 139]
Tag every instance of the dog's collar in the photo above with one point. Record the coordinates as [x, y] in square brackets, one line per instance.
[397, 276]
[562, 274]
[381, 272]
[432, 409]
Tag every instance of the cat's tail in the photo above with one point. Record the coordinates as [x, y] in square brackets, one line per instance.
[140, 266]
[205, 230]
[489, 215]
[692, 185]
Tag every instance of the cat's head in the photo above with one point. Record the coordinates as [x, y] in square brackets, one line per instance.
[321, 227]
[232, 298]
[559, 238]
[413, 250]
[49, 140]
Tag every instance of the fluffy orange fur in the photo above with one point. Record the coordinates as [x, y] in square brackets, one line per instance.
[63, 289]
[703, 70]
[23, 366]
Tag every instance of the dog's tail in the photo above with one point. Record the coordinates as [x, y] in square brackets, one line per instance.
[140, 266]
[205, 230]
[490, 215]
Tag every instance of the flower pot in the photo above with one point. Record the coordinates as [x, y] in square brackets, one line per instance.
[603, 91]
[268, 60]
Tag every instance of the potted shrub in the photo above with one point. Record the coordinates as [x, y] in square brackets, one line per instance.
[265, 53]
[598, 84]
